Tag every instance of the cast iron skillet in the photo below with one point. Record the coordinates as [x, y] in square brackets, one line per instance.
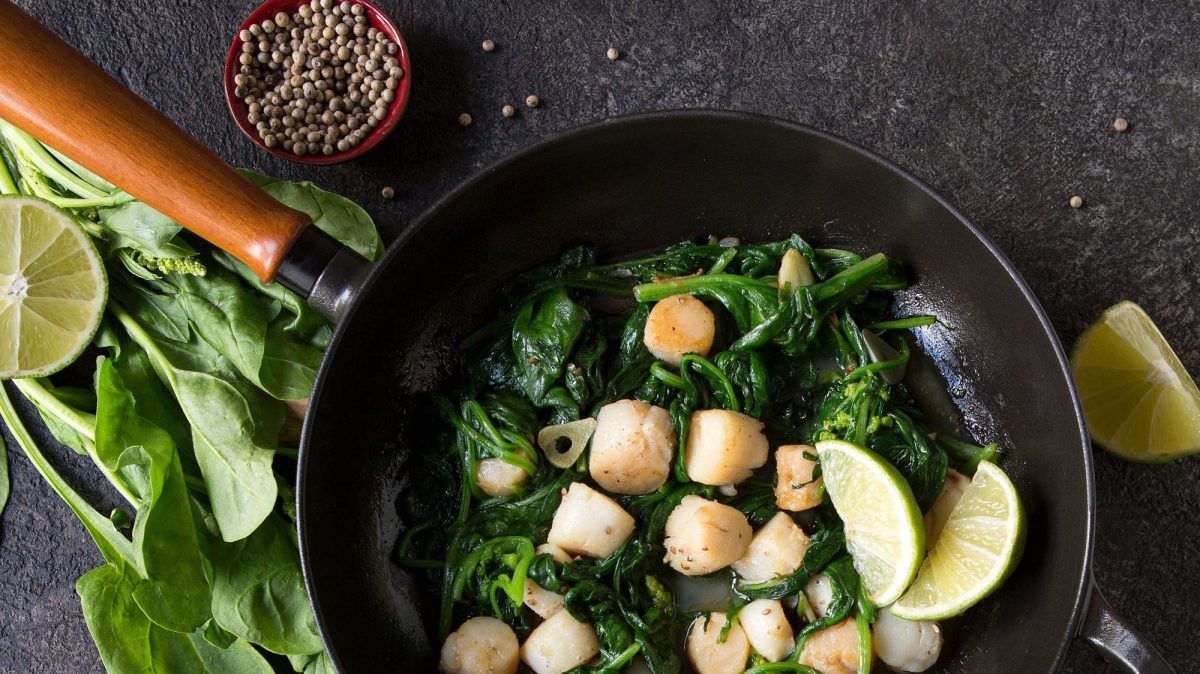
[625, 186]
[645, 182]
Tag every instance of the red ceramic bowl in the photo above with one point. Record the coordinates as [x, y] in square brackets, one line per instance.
[239, 110]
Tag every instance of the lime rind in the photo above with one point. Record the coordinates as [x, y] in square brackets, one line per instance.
[977, 551]
[1139, 400]
[53, 288]
[885, 534]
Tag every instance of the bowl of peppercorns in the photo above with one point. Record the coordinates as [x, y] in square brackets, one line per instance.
[318, 82]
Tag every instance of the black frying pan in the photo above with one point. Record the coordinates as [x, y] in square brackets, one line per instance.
[624, 186]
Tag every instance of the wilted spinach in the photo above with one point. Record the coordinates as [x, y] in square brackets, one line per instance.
[562, 347]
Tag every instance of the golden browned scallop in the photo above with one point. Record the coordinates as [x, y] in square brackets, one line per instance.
[795, 488]
[767, 628]
[777, 549]
[497, 477]
[542, 601]
[679, 325]
[632, 447]
[703, 536]
[589, 523]
[559, 644]
[710, 657]
[480, 646]
[724, 447]
[833, 650]
[943, 505]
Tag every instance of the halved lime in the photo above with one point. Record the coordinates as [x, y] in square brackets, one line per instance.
[52, 288]
[1139, 401]
[884, 532]
[977, 549]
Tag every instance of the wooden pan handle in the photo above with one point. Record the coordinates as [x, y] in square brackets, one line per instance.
[55, 94]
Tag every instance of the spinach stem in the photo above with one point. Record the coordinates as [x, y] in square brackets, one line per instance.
[7, 184]
[865, 654]
[144, 340]
[903, 323]
[28, 148]
[653, 292]
[80, 422]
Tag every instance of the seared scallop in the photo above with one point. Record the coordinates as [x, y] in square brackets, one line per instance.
[703, 536]
[589, 523]
[724, 447]
[833, 650]
[679, 325]
[777, 549]
[795, 488]
[559, 644]
[497, 477]
[632, 447]
[767, 628]
[710, 657]
[480, 646]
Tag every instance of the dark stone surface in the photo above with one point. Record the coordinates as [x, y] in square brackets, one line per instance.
[1005, 107]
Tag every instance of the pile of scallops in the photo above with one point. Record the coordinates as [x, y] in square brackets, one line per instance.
[632, 449]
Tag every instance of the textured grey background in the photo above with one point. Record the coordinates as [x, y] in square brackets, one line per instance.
[1004, 107]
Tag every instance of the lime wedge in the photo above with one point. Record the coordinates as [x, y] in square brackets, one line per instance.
[884, 533]
[52, 288]
[977, 549]
[1139, 401]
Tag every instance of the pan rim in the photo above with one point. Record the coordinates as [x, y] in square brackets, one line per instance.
[1082, 590]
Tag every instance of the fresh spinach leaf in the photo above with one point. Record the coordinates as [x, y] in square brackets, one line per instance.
[234, 426]
[173, 591]
[130, 642]
[333, 214]
[258, 591]
[135, 225]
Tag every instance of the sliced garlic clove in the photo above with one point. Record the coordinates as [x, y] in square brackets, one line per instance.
[576, 432]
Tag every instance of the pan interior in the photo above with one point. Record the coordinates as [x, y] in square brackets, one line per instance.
[647, 182]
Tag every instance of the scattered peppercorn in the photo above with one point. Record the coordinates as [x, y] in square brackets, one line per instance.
[489, 46]
[508, 111]
[613, 54]
[388, 192]
[317, 81]
[532, 101]
[1076, 201]
[465, 119]
[1120, 125]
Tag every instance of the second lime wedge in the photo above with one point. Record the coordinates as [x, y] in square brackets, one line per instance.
[977, 549]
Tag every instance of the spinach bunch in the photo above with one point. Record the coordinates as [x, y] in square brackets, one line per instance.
[186, 417]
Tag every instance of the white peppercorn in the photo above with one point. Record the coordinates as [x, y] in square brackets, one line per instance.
[508, 111]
